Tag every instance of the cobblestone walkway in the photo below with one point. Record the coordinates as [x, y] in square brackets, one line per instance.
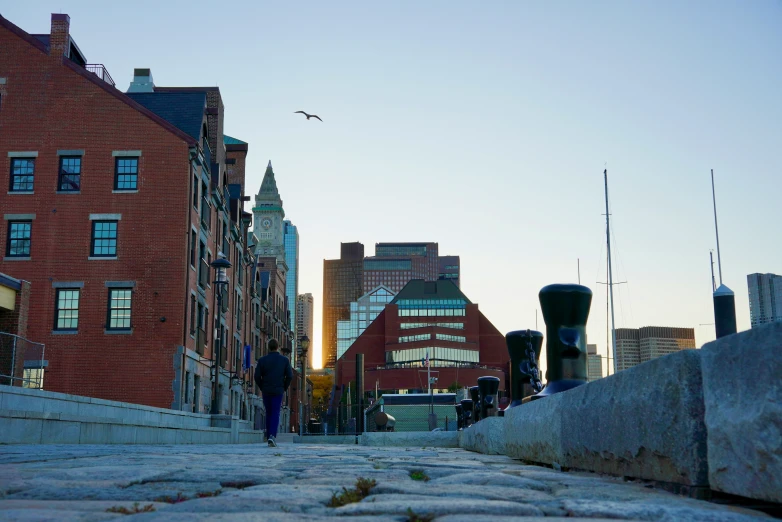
[296, 482]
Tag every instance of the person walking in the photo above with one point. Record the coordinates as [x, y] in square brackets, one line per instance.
[273, 375]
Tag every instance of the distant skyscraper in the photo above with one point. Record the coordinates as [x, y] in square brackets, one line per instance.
[305, 307]
[765, 298]
[362, 313]
[291, 237]
[343, 283]
[396, 264]
[594, 363]
[636, 346]
[449, 269]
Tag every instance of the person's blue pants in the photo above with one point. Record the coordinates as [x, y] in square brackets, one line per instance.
[272, 403]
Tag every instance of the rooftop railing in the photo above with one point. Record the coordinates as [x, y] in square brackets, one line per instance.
[100, 71]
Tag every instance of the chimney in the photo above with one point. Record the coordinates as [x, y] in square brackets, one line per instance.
[142, 81]
[60, 38]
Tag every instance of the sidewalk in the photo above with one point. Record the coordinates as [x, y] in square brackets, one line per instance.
[296, 481]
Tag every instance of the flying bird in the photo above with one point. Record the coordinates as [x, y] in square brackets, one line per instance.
[308, 115]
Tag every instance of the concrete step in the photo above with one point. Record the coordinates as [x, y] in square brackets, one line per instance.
[285, 437]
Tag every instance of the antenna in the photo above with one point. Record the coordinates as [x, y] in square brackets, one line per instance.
[610, 272]
[579, 270]
[716, 229]
[713, 283]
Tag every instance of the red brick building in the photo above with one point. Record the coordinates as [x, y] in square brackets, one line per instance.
[115, 205]
[433, 318]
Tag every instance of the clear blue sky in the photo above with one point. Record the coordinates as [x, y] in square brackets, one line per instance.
[486, 128]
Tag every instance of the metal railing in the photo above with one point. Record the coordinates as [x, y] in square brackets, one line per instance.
[99, 70]
[22, 362]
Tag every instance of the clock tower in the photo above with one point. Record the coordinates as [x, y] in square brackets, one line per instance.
[268, 217]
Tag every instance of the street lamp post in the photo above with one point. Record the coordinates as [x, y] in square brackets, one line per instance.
[221, 265]
[304, 345]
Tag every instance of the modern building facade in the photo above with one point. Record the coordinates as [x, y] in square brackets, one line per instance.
[431, 318]
[638, 345]
[392, 267]
[305, 311]
[449, 269]
[343, 283]
[765, 298]
[362, 313]
[594, 363]
[291, 239]
[138, 202]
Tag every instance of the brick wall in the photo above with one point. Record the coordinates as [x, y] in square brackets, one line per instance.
[50, 106]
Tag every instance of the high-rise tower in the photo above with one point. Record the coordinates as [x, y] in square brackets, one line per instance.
[765, 298]
[291, 240]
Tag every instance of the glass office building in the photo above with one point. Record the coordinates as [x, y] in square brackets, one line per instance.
[291, 243]
[343, 282]
[362, 313]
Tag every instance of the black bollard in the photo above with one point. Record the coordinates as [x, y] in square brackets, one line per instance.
[565, 310]
[467, 407]
[489, 386]
[520, 367]
[476, 403]
[724, 311]
[459, 417]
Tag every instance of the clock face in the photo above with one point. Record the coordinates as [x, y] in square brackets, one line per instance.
[266, 223]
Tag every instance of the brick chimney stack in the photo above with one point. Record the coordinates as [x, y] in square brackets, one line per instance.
[60, 38]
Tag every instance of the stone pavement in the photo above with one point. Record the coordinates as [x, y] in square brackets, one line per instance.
[297, 481]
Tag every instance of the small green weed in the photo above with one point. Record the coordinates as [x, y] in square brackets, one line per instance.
[357, 494]
[131, 511]
[419, 474]
[204, 494]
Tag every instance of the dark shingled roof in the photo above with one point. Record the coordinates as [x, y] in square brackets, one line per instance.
[183, 110]
[420, 289]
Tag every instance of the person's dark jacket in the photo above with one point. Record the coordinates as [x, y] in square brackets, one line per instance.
[273, 374]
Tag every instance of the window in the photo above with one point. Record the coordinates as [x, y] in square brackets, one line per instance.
[22, 172]
[66, 309]
[192, 314]
[195, 190]
[18, 243]
[192, 248]
[104, 239]
[119, 309]
[126, 173]
[69, 179]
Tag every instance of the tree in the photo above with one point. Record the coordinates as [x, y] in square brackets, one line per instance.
[454, 386]
[321, 391]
